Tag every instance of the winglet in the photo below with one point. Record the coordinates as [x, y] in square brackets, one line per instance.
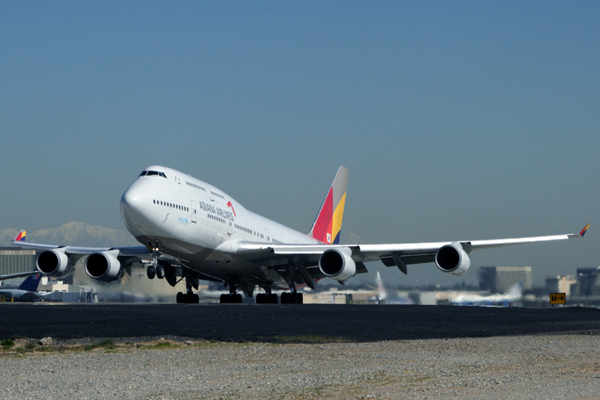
[584, 230]
[21, 236]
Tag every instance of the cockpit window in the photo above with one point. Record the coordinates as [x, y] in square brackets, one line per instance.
[148, 173]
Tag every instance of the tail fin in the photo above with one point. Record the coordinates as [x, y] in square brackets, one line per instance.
[31, 283]
[21, 236]
[584, 230]
[516, 291]
[328, 224]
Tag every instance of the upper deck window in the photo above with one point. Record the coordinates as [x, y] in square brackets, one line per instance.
[148, 173]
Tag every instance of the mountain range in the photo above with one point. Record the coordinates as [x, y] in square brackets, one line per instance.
[74, 234]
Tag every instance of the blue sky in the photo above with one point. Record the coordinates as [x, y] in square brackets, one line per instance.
[457, 120]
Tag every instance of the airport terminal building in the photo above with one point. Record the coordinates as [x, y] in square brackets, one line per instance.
[502, 279]
[14, 260]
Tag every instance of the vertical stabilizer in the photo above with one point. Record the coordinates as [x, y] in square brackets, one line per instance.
[31, 283]
[21, 236]
[328, 224]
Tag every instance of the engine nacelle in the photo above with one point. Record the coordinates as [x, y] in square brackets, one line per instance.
[337, 264]
[103, 267]
[53, 263]
[452, 259]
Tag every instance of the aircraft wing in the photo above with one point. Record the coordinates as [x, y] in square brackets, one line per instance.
[75, 250]
[127, 256]
[18, 275]
[396, 254]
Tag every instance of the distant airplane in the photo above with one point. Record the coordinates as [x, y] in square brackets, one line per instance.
[27, 291]
[384, 298]
[514, 294]
[191, 230]
[381, 292]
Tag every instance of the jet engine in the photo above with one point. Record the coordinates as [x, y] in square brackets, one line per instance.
[452, 259]
[103, 267]
[53, 263]
[337, 264]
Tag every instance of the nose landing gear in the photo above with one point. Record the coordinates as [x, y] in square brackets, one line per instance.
[159, 270]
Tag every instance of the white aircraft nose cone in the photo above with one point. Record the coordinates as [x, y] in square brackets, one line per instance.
[132, 200]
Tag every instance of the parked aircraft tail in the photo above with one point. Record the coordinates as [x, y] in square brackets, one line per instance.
[328, 224]
[516, 291]
[31, 283]
[21, 236]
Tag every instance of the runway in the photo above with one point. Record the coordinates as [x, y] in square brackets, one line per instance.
[274, 323]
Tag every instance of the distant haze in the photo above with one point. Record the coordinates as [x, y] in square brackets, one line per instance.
[458, 120]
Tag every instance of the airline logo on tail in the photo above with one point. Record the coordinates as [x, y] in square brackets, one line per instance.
[31, 283]
[584, 230]
[21, 236]
[328, 224]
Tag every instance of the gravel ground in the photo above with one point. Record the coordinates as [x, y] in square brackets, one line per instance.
[507, 367]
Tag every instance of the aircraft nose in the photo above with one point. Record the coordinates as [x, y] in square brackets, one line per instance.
[131, 200]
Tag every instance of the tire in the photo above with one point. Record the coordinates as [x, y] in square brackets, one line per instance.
[285, 298]
[179, 297]
[196, 299]
[224, 299]
[260, 298]
[237, 298]
[272, 299]
[299, 299]
[160, 271]
[151, 272]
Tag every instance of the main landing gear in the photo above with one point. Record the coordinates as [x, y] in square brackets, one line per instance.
[233, 297]
[267, 298]
[292, 298]
[189, 297]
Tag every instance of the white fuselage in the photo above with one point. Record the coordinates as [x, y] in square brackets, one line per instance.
[198, 223]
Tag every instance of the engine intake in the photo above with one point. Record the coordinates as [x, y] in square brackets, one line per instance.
[53, 263]
[337, 264]
[452, 259]
[103, 267]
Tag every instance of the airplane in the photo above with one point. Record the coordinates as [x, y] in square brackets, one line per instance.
[27, 291]
[381, 292]
[514, 294]
[191, 230]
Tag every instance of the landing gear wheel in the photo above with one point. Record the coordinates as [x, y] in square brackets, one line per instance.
[261, 298]
[196, 299]
[179, 297]
[224, 299]
[160, 271]
[237, 298]
[292, 298]
[151, 272]
[272, 298]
